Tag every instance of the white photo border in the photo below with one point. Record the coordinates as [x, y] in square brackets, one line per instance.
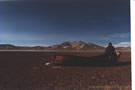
[132, 16]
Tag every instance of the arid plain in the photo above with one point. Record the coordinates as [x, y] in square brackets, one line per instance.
[27, 70]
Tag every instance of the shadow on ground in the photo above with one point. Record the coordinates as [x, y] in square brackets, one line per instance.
[98, 60]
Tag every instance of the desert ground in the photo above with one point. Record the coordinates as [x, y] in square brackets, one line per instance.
[31, 71]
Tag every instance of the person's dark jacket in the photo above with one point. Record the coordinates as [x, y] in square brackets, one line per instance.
[110, 51]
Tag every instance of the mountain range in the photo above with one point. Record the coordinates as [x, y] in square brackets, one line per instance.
[63, 46]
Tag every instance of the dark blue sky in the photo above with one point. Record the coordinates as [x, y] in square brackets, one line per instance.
[49, 22]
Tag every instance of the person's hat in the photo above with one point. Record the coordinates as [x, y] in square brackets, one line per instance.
[109, 43]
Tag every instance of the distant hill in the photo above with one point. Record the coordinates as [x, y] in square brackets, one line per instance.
[7, 46]
[13, 47]
[76, 46]
[123, 48]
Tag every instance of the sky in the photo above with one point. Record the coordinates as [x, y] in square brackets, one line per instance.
[50, 22]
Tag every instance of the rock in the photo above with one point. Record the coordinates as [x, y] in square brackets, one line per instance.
[93, 78]
[102, 75]
[56, 67]
[47, 64]
[110, 82]
[35, 68]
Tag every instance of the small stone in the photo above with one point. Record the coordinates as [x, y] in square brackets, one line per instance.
[47, 64]
[56, 67]
[102, 75]
[35, 68]
[93, 77]
[110, 82]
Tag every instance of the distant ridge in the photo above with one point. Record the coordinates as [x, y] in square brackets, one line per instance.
[7, 46]
[123, 48]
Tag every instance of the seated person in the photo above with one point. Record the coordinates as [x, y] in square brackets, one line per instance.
[110, 52]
